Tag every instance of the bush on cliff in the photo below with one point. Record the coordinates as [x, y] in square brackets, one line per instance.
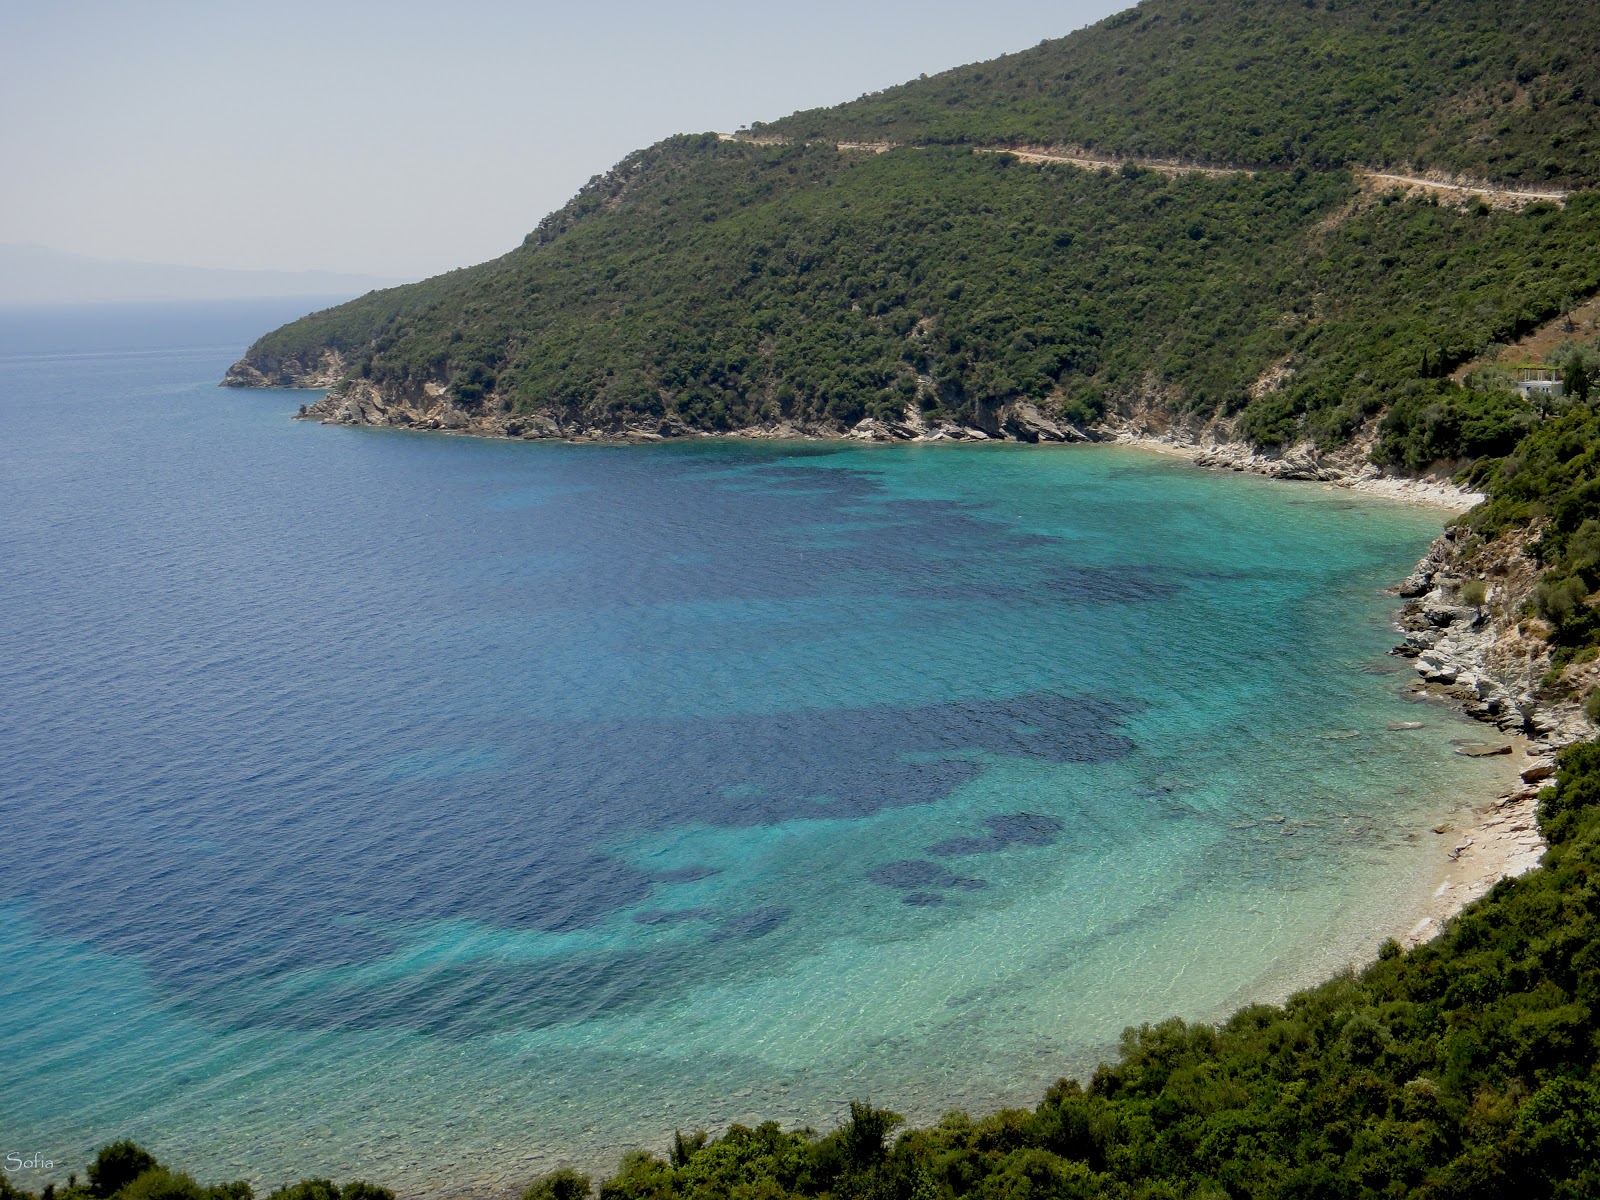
[123, 1170]
[562, 1184]
[1551, 480]
[116, 1166]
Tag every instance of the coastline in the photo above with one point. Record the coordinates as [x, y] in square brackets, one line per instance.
[1489, 843]
[1489, 838]
[1346, 468]
[1461, 660]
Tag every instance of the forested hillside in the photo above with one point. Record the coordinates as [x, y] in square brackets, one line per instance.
[718, 285]
[707, 285]
[1492, 90]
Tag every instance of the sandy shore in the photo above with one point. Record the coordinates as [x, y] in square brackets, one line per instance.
[1479, 846]
[1305, 466]
[1432, 493]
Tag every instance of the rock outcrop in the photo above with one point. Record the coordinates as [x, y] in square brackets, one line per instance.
[431, 406]
[1468, 635]
[266, 370]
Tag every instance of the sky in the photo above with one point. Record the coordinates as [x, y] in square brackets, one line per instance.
[402, 139]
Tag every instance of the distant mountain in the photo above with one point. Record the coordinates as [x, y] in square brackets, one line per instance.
[39, 275]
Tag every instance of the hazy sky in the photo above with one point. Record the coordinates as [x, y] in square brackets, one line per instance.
[402, 139]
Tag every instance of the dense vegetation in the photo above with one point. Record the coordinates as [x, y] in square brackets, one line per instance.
[1552, 479]
[710, 285]
[1466, 1069]
[1492, 90]
[125, 1171]
[722, 285]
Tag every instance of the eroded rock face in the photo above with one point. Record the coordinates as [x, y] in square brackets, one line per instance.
[432, 406]
[1490, 657]
[1296, 462]
[1017, 421]
[269, 371]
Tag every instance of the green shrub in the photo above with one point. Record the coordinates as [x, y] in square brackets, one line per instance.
[308, 1189]
[1560, 601]
[1446, 422]
[326, 1189]
[562, 1184]
[158, 1183]
[116, 1166]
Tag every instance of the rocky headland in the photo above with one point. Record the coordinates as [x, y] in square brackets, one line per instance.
[432, 407]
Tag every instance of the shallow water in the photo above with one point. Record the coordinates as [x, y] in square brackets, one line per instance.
[434, 809]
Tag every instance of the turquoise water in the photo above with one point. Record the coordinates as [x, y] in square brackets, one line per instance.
[437, 810]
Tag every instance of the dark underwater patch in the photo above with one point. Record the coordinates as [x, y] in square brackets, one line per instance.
[312, 862]
[1005, 829]
[323, 881]
[673, 916]
[758, 922]
[1073, 585]
[683, 874]
[919, 875]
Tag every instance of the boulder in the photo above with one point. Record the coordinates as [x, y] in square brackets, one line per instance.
[1418, 583]
[1022, 420]
[1536, 772]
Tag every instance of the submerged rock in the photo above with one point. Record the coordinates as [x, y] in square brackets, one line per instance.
[1484, 749]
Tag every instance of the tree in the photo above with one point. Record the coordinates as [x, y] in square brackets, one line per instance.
[1577, 378]
[562, 1184]
[118, 1165]
[866, 1133]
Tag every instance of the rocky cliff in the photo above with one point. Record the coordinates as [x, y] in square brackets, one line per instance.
[432, 406]
[1469, 633]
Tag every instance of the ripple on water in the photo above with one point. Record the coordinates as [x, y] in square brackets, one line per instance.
[436, 810]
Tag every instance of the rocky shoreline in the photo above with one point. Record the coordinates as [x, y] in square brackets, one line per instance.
[1465, 631]
[431, 408]
[1464, 628]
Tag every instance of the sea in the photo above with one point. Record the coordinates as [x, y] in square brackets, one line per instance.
[437, 811]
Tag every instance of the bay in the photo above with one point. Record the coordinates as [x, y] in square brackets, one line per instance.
[438, 810]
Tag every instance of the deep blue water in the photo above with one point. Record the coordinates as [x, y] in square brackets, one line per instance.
[437, 809]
